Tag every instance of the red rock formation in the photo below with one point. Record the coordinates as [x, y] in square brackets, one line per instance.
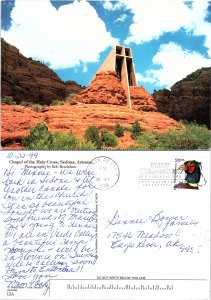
[27, 80]
[105, 88]
[188, 99]
[17, 120]
[141, 99]
[72, 87]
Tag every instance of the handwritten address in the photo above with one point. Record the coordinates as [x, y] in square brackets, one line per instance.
[50, 221]
[159, 230]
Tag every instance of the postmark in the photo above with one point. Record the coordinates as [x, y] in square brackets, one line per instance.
[156, 174]
[106, 173]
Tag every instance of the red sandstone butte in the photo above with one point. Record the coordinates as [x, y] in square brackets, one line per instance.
[141, 99]
[106, 88]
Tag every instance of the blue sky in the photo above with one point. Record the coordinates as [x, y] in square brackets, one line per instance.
[169, 39]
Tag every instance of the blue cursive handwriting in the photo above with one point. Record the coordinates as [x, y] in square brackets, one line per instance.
[50, 221]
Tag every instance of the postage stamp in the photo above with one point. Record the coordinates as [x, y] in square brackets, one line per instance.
[178, 174]
[193, 177]
[106, 172]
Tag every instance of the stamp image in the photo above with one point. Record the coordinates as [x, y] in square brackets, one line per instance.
[192, 172]
[106, 172]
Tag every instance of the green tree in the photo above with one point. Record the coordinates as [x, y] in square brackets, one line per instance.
[92, 135]
[40, 138]
[136, 130]
[108, 139]
[118, 130]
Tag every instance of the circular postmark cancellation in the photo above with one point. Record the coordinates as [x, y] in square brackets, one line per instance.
[105, 173]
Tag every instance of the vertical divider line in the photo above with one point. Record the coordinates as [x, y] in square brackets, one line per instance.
[96, 224]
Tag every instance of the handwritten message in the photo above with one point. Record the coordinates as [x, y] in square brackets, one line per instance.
[158, 230]
[50, 217]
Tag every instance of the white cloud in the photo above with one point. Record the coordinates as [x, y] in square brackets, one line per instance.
[122, 18]
[108, 5]
[151, 19]
[198, 25]
[85, 69]
[174, 64]
[67, 37]
[112, 5]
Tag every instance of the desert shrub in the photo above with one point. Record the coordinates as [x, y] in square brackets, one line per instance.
[40, 138]
[136, 130]
[57, 102]
[37, 107]
[108, 139]
[127, 128]
[99, 139]
[72, 96]
[8, 100]
[64, 141]
[68, 141]
[92, 135]
[86, 145]
[192, 136]
[25, 103]
[118, 130]
[147, 140]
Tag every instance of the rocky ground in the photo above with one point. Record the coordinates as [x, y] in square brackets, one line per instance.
[17, 120]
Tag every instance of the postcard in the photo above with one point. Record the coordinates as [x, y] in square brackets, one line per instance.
[105, 225]
[105, 133]
[105, 75]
